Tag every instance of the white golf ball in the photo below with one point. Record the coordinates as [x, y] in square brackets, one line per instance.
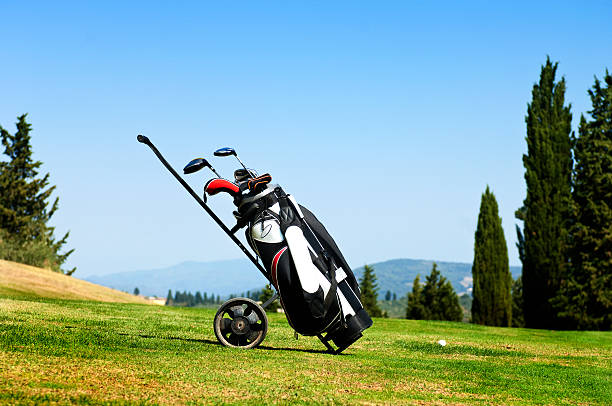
[442, 342]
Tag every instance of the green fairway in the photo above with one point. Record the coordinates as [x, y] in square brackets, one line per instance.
[61, 351]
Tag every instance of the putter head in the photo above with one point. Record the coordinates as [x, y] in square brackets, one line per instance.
[227, 151]
[195, 165]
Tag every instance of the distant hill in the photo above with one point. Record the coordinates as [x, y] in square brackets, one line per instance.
[397, 275]
[237, 276]
[18, 280]
[219, 277]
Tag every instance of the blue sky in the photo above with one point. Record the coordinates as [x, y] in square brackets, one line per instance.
[387, 119]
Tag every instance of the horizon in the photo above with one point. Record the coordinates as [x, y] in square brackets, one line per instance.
[388, 121]
[160, 268]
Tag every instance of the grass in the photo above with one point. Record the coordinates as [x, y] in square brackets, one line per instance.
[24, 281]
[66, 351]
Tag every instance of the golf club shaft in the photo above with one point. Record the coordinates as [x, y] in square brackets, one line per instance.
[245, 168]
[215, 172]
[145, 140]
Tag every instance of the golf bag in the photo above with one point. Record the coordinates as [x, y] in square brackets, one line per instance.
[317, 288]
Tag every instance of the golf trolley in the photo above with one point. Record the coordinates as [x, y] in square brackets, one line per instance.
[316, 287]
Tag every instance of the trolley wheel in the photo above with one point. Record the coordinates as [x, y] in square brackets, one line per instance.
[240, 323]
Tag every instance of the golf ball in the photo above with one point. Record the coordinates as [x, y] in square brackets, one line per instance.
[442, 342]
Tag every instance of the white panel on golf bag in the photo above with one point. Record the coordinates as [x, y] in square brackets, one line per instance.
[310, 276]
[267, 231]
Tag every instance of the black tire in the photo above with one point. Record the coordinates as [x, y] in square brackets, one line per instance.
[240, 323]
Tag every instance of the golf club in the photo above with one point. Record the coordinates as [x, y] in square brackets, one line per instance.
[144, 140]
[197, 164]
[227, 151]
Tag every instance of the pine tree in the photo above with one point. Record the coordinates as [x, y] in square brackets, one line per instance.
[492, 304]
[436, 300]
[198, 298]
[548, 165]
[369, 292]
[169, 299]
[585, 298]
[439, 298]
[415, 309]
[450, 309]
[24, 207]
[267, 293]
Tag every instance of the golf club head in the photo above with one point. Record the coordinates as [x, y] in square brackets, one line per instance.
[195, 165]
[244, 174]
[227, 151]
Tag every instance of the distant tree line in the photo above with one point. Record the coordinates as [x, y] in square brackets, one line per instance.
[565, 244]
[25, 206]
[188, 299]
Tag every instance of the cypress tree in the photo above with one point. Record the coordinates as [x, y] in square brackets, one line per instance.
[415, 309]
[517, 303]
[369, 292]
[198, 298]
[169, 299]
[548, 164]
[492, 304]
[585, 299]
[24, 207]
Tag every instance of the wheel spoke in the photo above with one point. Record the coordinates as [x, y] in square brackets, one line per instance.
[234, 339]
[252, 336]
[236, 311]
[242, 340]
[256, 326]
[248, 311]
[253, 318]
[226, 326]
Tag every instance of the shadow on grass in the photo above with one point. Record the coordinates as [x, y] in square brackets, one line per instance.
[264, 347]
[205, 341]
[185, 339]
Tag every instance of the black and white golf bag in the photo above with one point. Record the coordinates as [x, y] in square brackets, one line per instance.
[317, 289]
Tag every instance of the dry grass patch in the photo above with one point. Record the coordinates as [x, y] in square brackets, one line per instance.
[29, 281]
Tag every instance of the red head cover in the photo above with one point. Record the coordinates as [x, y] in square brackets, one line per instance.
[215, 186]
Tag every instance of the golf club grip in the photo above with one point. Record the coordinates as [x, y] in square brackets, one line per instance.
[145, 140]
